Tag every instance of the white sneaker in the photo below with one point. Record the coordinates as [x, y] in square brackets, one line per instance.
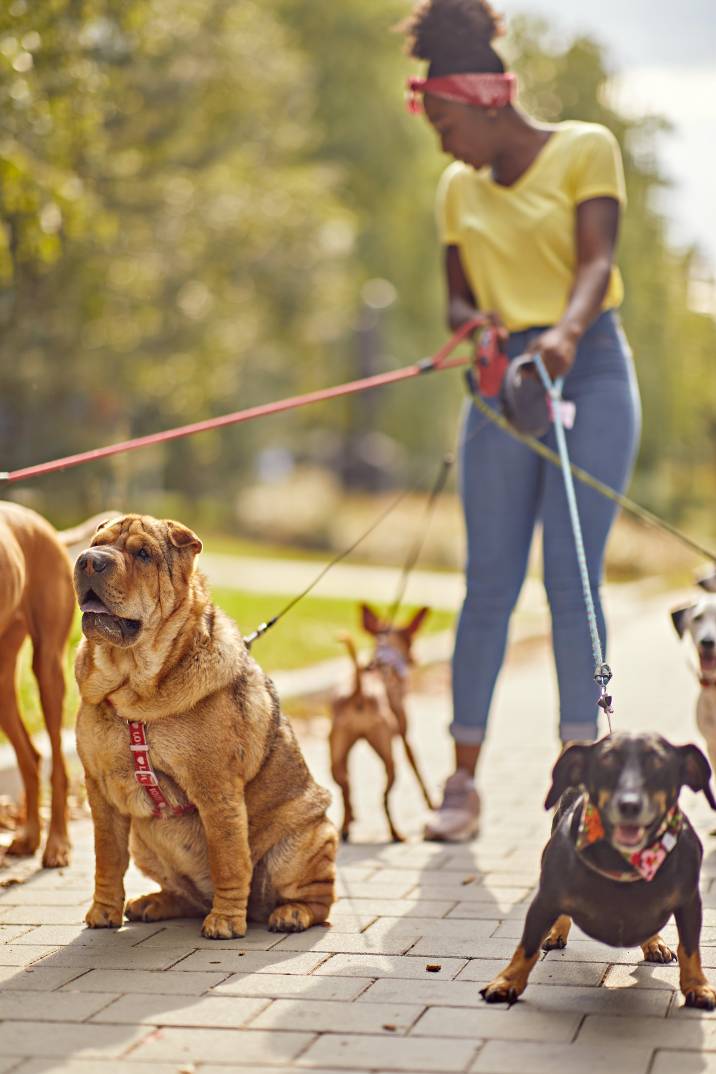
[458, 817]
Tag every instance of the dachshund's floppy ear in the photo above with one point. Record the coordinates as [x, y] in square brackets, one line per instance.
[569, 771]
[696, 772]
[678, 618]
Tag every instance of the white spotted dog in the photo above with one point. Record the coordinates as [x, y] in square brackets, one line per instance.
[699, 621]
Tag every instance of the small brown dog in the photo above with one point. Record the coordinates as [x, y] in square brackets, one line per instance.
[36, 600]
[189, 762]
[375, 710]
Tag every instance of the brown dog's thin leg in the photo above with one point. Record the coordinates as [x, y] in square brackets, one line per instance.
[111, 849]
[511, 983]
[556, 938]
[655, 950]
[381, 740]
[696, 989]
[305, 885]
[27, 839]
[47, 665]
[340, 746]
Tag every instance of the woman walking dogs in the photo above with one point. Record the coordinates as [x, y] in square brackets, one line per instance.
[528, 216]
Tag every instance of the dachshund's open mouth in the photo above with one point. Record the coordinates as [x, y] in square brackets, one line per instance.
[99, 623]
[628, 836]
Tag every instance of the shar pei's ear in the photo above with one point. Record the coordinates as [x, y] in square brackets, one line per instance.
[183, 538]
[569, 771]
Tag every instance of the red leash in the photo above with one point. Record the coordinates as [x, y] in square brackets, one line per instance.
[427, 365]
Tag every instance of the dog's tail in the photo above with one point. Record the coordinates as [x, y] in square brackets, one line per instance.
[78, 537]
[352, 652]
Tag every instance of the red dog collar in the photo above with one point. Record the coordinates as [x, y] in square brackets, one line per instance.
[146, 776]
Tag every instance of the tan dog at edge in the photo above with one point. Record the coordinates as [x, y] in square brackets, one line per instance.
[37, 601]
[157, 650]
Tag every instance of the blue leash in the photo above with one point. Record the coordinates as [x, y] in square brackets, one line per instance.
[602, 671]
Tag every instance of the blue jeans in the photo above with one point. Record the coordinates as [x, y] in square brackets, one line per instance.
[506, 489]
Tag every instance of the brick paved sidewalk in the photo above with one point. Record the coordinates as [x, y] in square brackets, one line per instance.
[359, 997]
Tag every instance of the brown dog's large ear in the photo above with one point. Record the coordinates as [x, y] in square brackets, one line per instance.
[371, 622]
[184, 538]
[696, 772]
[678, 618]
[569, 771]
[415, 623]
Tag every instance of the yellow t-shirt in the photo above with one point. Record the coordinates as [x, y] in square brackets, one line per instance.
[517, 243]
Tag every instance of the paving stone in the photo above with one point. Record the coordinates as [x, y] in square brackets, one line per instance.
[51, 1007]
[596, 1000]
[279, 985]
[252, 961]
[428, 992]
[9, 1062]
[238, 1047]
[519, 1057]
[393, 907]
[89, 1066]
[383, 1052]
[470, 893]
[29, 895]
[93, 958]
[166, 982]
[14, 933]
[375, 889]
[646, 975]
[36, 979]
[39, 914]
[81, 936]
[30, 1039]
[211, 1011]
[683, 1062]
[330, 1017]
[390, 966]
[548, 971]
[476, 947]
[16, 955]
[188, 935]
[652, 1032]
[490, 1023]
[384, 943]
[437, 929]
[503, 909]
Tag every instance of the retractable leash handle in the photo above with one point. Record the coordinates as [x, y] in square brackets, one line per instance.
[602, 671]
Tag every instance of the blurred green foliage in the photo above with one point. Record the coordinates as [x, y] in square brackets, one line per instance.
[196, 200]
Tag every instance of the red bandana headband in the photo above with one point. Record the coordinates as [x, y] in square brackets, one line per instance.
[485, 90]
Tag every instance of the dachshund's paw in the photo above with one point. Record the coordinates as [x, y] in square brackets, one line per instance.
[223, 926]
[291, 917]
[101, 916]
[655, 950]
[501, 990]
[702, 996]
[554, 943]
[57, 852]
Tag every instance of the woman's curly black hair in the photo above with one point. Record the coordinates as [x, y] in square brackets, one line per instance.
[454, 36]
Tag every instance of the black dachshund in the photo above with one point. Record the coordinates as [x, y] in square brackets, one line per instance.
[621, 860]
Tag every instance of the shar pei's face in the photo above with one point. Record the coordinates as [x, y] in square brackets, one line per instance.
[133, 577]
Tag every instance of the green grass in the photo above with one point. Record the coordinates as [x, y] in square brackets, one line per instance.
[307, 635]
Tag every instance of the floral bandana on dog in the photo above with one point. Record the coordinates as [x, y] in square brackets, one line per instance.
[644, 863]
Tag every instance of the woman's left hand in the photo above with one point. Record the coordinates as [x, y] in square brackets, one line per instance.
[558, 347]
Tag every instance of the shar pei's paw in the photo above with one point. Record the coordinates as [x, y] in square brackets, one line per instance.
[291, 917]
[223, 926]
[101, 916]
